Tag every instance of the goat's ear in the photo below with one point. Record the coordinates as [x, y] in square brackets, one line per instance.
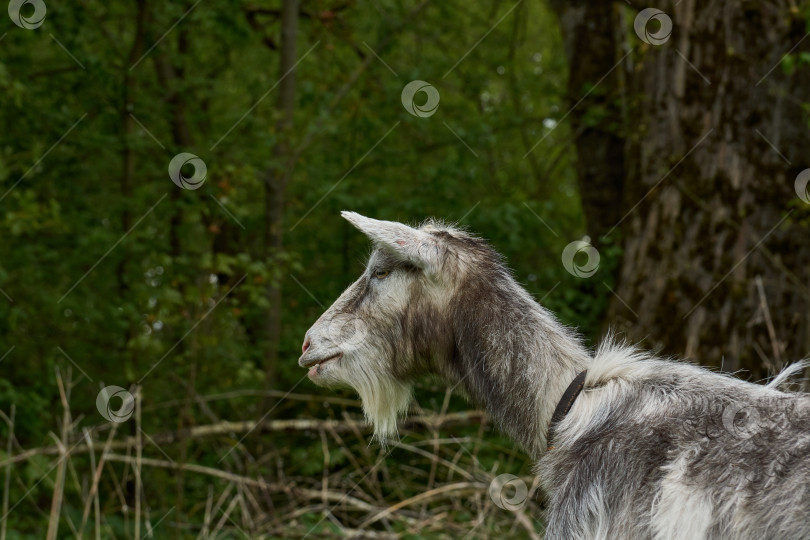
[411, 245]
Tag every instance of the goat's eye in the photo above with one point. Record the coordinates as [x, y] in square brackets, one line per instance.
[381, 274]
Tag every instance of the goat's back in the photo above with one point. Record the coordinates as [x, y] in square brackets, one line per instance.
[654, 448]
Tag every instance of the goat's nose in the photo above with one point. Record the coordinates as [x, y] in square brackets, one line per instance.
[306, 345]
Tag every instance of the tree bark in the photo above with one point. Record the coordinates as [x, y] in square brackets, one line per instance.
[715, 262]
[276, 179]
[172, 77]
[129, 89]
[592, 46]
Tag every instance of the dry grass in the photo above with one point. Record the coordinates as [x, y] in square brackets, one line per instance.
[281, 478]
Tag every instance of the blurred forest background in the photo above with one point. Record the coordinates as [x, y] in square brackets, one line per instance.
[679, 155]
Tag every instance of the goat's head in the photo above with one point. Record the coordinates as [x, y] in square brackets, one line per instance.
[393, 323]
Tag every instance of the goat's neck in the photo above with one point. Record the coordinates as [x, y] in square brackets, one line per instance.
[516, 360]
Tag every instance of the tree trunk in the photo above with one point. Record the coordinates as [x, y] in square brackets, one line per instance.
[171, 77]
[592, 46]
[716, 265]
[129, 89]
[276, 179]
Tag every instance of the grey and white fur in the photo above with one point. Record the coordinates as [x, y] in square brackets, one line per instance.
[652, 448]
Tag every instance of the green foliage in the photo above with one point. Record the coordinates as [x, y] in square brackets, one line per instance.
[121, 277]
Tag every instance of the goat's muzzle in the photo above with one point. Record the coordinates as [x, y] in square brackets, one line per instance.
[315, 360]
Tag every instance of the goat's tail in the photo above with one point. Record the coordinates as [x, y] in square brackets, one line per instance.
[788, 372]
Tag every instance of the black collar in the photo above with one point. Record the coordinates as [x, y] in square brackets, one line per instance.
[565, 404]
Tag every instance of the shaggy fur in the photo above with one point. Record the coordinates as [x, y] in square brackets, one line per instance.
[651, 448]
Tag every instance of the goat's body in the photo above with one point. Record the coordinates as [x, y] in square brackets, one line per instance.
[650, 449]
[661, 449]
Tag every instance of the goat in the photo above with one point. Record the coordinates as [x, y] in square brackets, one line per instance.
[649, 447]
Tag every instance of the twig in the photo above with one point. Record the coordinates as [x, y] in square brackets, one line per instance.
[353, 459]
[93, 495]
[228, 396]
[207, 518]
[138, 457]
[59, 486]
[247, 521]
[459, 486]
[96, 502]
[210, 471]
[326, 460]
[7, 481]
[769, 322]
[225, 516]
[361, 533]
[118, 490]
[221, 500]
[524, 520]
[434, 462]
[254, 503]
[344, 499]
[430, 456]
[227, 428]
